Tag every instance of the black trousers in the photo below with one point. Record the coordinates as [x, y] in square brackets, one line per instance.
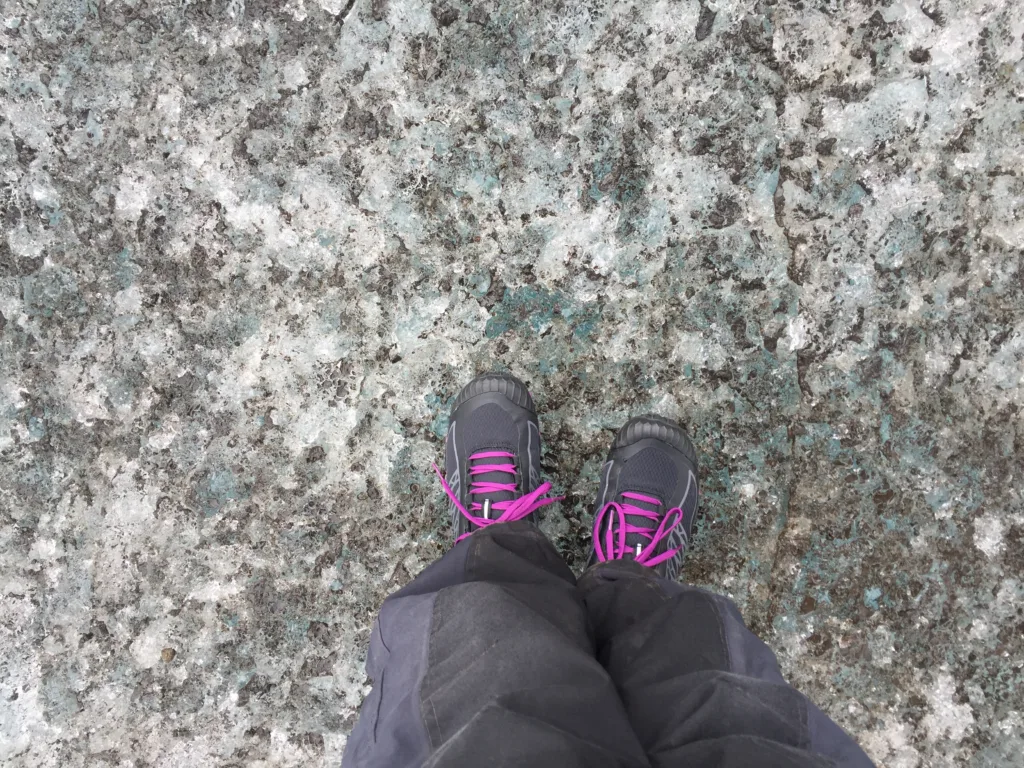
[496, 655]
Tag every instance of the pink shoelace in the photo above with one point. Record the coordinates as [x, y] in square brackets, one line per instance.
[512, 509]
[614, 545]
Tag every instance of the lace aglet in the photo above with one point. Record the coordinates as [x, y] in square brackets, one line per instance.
[639, 549]
[487, 509]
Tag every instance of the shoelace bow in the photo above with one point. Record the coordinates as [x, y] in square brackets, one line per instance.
[614, 545]
[512, 509]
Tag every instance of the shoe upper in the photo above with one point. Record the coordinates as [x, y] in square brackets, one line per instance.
[647, 501]
[492, 454]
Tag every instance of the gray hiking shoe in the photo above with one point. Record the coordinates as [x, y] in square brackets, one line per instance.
[647, 500]
[492, 455]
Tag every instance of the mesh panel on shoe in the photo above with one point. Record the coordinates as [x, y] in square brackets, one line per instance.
[491, 428]
[652, 473]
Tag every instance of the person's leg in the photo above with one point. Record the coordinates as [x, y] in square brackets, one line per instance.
[698, 686]
[696, 682]
[486, 659]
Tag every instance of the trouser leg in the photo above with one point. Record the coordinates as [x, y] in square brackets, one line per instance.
[486, 658]
[697, 685]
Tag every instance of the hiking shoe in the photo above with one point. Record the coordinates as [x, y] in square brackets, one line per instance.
[647, 500]
[492, 455]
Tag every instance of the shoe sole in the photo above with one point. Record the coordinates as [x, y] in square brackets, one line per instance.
[501, 383]
[651, 427]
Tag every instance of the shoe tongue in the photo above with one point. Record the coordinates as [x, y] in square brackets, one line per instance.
[638, 521]
[650, 469]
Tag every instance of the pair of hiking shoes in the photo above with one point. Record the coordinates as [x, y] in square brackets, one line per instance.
[646, 502]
